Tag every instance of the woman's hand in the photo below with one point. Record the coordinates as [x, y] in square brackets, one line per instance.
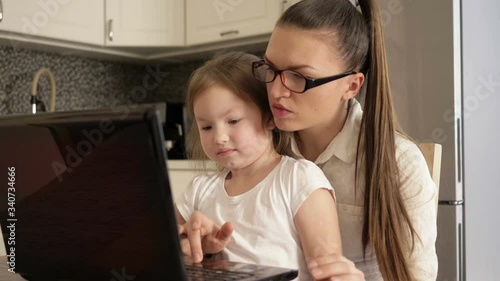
[201, 235]
[334, 267]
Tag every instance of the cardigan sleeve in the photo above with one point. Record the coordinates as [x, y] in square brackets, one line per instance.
[419, 193]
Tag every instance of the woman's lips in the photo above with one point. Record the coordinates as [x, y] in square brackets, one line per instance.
[280, 111]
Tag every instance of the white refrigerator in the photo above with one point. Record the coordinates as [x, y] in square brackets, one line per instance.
[444, 63]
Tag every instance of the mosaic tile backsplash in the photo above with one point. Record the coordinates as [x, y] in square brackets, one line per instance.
[84, 83]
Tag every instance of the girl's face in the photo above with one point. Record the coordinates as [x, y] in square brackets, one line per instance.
[231, 129]
[310, 54]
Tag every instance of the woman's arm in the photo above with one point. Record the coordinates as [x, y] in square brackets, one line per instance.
[419, 192]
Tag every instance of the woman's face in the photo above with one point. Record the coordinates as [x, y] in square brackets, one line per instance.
[310, 54]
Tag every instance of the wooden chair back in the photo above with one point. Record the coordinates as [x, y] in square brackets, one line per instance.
[432, 153]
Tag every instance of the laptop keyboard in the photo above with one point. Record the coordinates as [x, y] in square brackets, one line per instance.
[200, 274]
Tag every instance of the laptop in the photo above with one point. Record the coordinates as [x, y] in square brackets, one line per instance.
[86, 196]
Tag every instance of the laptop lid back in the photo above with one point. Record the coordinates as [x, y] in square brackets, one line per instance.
[88, 197]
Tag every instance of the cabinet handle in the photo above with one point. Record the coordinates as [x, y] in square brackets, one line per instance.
[284, 5]
[1, 11]
[110, 30]
[226, 33]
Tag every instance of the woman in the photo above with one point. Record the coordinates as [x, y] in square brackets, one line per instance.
[319, 56]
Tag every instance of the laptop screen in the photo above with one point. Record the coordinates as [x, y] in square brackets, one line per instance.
[87, 197]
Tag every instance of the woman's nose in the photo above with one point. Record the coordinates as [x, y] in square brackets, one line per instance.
[276, 89]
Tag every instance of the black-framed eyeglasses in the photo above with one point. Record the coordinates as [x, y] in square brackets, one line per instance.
[292, 80]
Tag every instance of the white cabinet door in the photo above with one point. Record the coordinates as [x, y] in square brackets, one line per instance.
[288, 3]
[67, 20]
[149, 23]
[216, 20]
[182, 172]
[179, 181]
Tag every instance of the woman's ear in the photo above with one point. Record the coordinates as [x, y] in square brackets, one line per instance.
[355, 82]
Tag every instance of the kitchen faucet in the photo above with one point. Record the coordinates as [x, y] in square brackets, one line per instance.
[34, 99]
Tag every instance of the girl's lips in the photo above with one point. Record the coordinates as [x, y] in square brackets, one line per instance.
[225, 152]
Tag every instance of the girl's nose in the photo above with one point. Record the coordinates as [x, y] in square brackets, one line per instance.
[220, 136]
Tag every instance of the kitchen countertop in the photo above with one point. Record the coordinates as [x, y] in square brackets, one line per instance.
[187, 164]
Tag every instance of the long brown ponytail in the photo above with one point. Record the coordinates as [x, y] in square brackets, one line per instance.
[386, 219]
[361, 45]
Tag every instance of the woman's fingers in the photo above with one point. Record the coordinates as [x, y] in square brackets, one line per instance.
[334, 267]
[332, 258]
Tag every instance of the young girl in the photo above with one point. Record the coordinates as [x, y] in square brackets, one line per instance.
[282, 210]
[319, 56]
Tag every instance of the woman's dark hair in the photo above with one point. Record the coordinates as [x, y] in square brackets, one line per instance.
[357, 36]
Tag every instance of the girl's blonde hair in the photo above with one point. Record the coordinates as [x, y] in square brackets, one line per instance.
[232, 70]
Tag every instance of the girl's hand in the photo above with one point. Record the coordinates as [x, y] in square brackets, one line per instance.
[201, 235]
[334, 267]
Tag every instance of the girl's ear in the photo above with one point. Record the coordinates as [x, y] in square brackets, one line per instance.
[355, 82]
[270, 124]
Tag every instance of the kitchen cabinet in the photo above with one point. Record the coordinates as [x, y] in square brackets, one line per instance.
[182, 172]
[146, 23]
[221, 20]
[288, 3]
[139, 31]
[64, 20]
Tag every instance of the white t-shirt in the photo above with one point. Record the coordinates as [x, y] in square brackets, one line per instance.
[263, 217]
[418, 191]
